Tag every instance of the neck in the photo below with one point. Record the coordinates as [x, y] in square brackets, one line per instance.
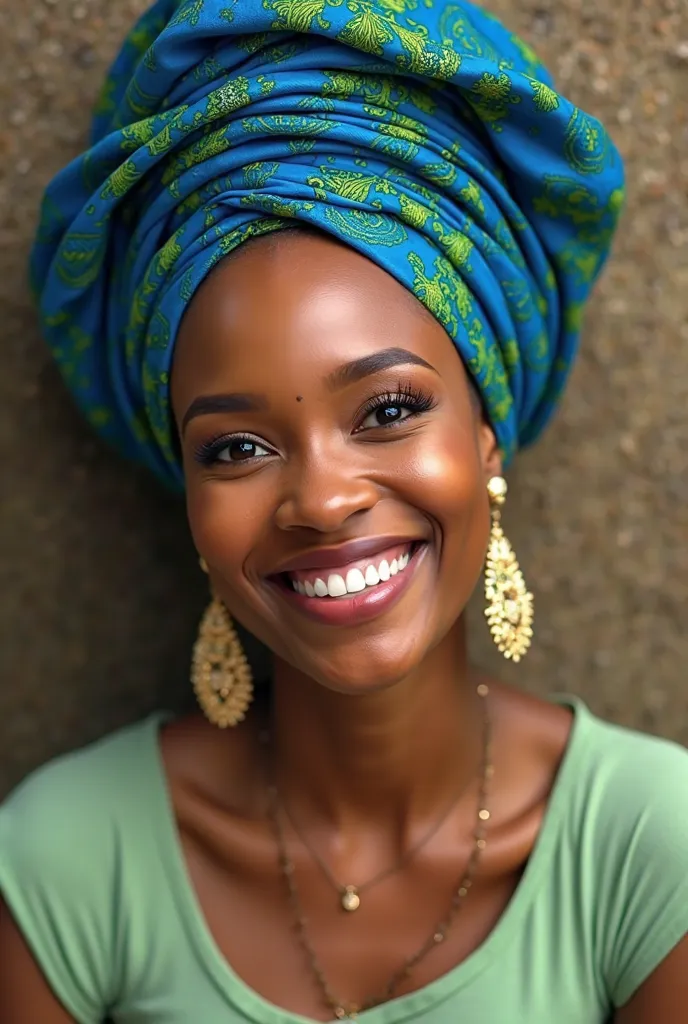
[395, 755]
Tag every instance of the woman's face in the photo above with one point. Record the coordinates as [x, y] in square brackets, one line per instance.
[329, 437]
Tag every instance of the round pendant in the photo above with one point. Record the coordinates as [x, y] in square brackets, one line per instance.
[350, 899]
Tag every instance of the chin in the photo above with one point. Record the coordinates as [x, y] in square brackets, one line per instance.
[365, 667]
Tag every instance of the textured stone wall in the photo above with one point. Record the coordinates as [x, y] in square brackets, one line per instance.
[99, 591]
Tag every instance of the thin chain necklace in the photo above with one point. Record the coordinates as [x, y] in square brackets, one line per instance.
[350, 895]
[339, 1008]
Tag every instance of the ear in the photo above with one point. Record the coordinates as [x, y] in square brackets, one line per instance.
[490, 452]
[488, 448]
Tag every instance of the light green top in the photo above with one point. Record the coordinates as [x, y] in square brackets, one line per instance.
[92, 869]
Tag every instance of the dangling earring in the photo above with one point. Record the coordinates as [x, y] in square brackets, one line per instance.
[509, 604]
[220, 673]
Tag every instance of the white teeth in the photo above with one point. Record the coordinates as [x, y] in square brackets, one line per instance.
[336, 587]
[355, 582]
[371, 576]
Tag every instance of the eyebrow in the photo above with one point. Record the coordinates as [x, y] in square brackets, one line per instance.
[343, 376]
[205, 405]
[357, 369]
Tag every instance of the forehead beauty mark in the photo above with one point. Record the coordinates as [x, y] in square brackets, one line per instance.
[341, 377]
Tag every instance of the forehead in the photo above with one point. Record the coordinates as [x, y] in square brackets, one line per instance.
[290, 307]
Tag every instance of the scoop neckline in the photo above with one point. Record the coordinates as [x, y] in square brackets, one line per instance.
[259, 1010]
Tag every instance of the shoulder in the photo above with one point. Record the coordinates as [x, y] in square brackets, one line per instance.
[62, 836]
[629, 799]
[59, 828]
[67, 797]
[631, 774]
[627, 789]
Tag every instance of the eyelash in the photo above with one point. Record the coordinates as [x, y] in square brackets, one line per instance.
[411, 398]
[208, 453]
[407, 396]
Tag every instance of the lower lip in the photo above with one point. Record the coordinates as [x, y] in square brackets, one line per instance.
[361, 607]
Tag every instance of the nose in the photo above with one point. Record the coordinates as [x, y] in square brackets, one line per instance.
[322, 492]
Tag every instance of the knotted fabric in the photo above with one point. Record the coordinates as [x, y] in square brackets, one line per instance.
[422, 134]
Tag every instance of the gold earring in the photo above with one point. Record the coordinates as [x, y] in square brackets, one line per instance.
[220, 673]
[509, 609]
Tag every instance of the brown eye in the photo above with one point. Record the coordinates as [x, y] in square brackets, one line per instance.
[386, 415]
[241, 450]
[394, 407]
[231, 451]
[237, 451]
[389, 414]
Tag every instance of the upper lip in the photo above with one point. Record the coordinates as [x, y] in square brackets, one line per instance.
[334, 557]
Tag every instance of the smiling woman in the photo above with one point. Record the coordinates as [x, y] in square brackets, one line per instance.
[324, 267]
[383, 460]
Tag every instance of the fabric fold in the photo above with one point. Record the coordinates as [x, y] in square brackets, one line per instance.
[424, 135]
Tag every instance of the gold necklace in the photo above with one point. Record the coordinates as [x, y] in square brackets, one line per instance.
[339, 1008]
[350, 895]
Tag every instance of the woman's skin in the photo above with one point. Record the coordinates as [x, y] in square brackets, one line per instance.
[375, 724]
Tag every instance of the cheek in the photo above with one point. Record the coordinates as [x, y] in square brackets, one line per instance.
[226, 522]
[445, 472]
[447, 479]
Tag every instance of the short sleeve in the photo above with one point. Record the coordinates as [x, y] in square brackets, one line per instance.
[56, 872]
[643, 844]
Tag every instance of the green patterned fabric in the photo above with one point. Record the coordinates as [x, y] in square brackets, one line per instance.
[421, 133]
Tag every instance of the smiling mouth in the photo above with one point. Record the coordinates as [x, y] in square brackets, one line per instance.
[355, 592]
[354, 578]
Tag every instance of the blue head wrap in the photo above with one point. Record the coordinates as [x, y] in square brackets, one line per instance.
[421, 133]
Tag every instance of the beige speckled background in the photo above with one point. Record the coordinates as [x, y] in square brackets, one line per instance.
[99, 586]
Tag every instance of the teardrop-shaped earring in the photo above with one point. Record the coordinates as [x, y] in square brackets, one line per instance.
[509, 609]
[220, 673]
